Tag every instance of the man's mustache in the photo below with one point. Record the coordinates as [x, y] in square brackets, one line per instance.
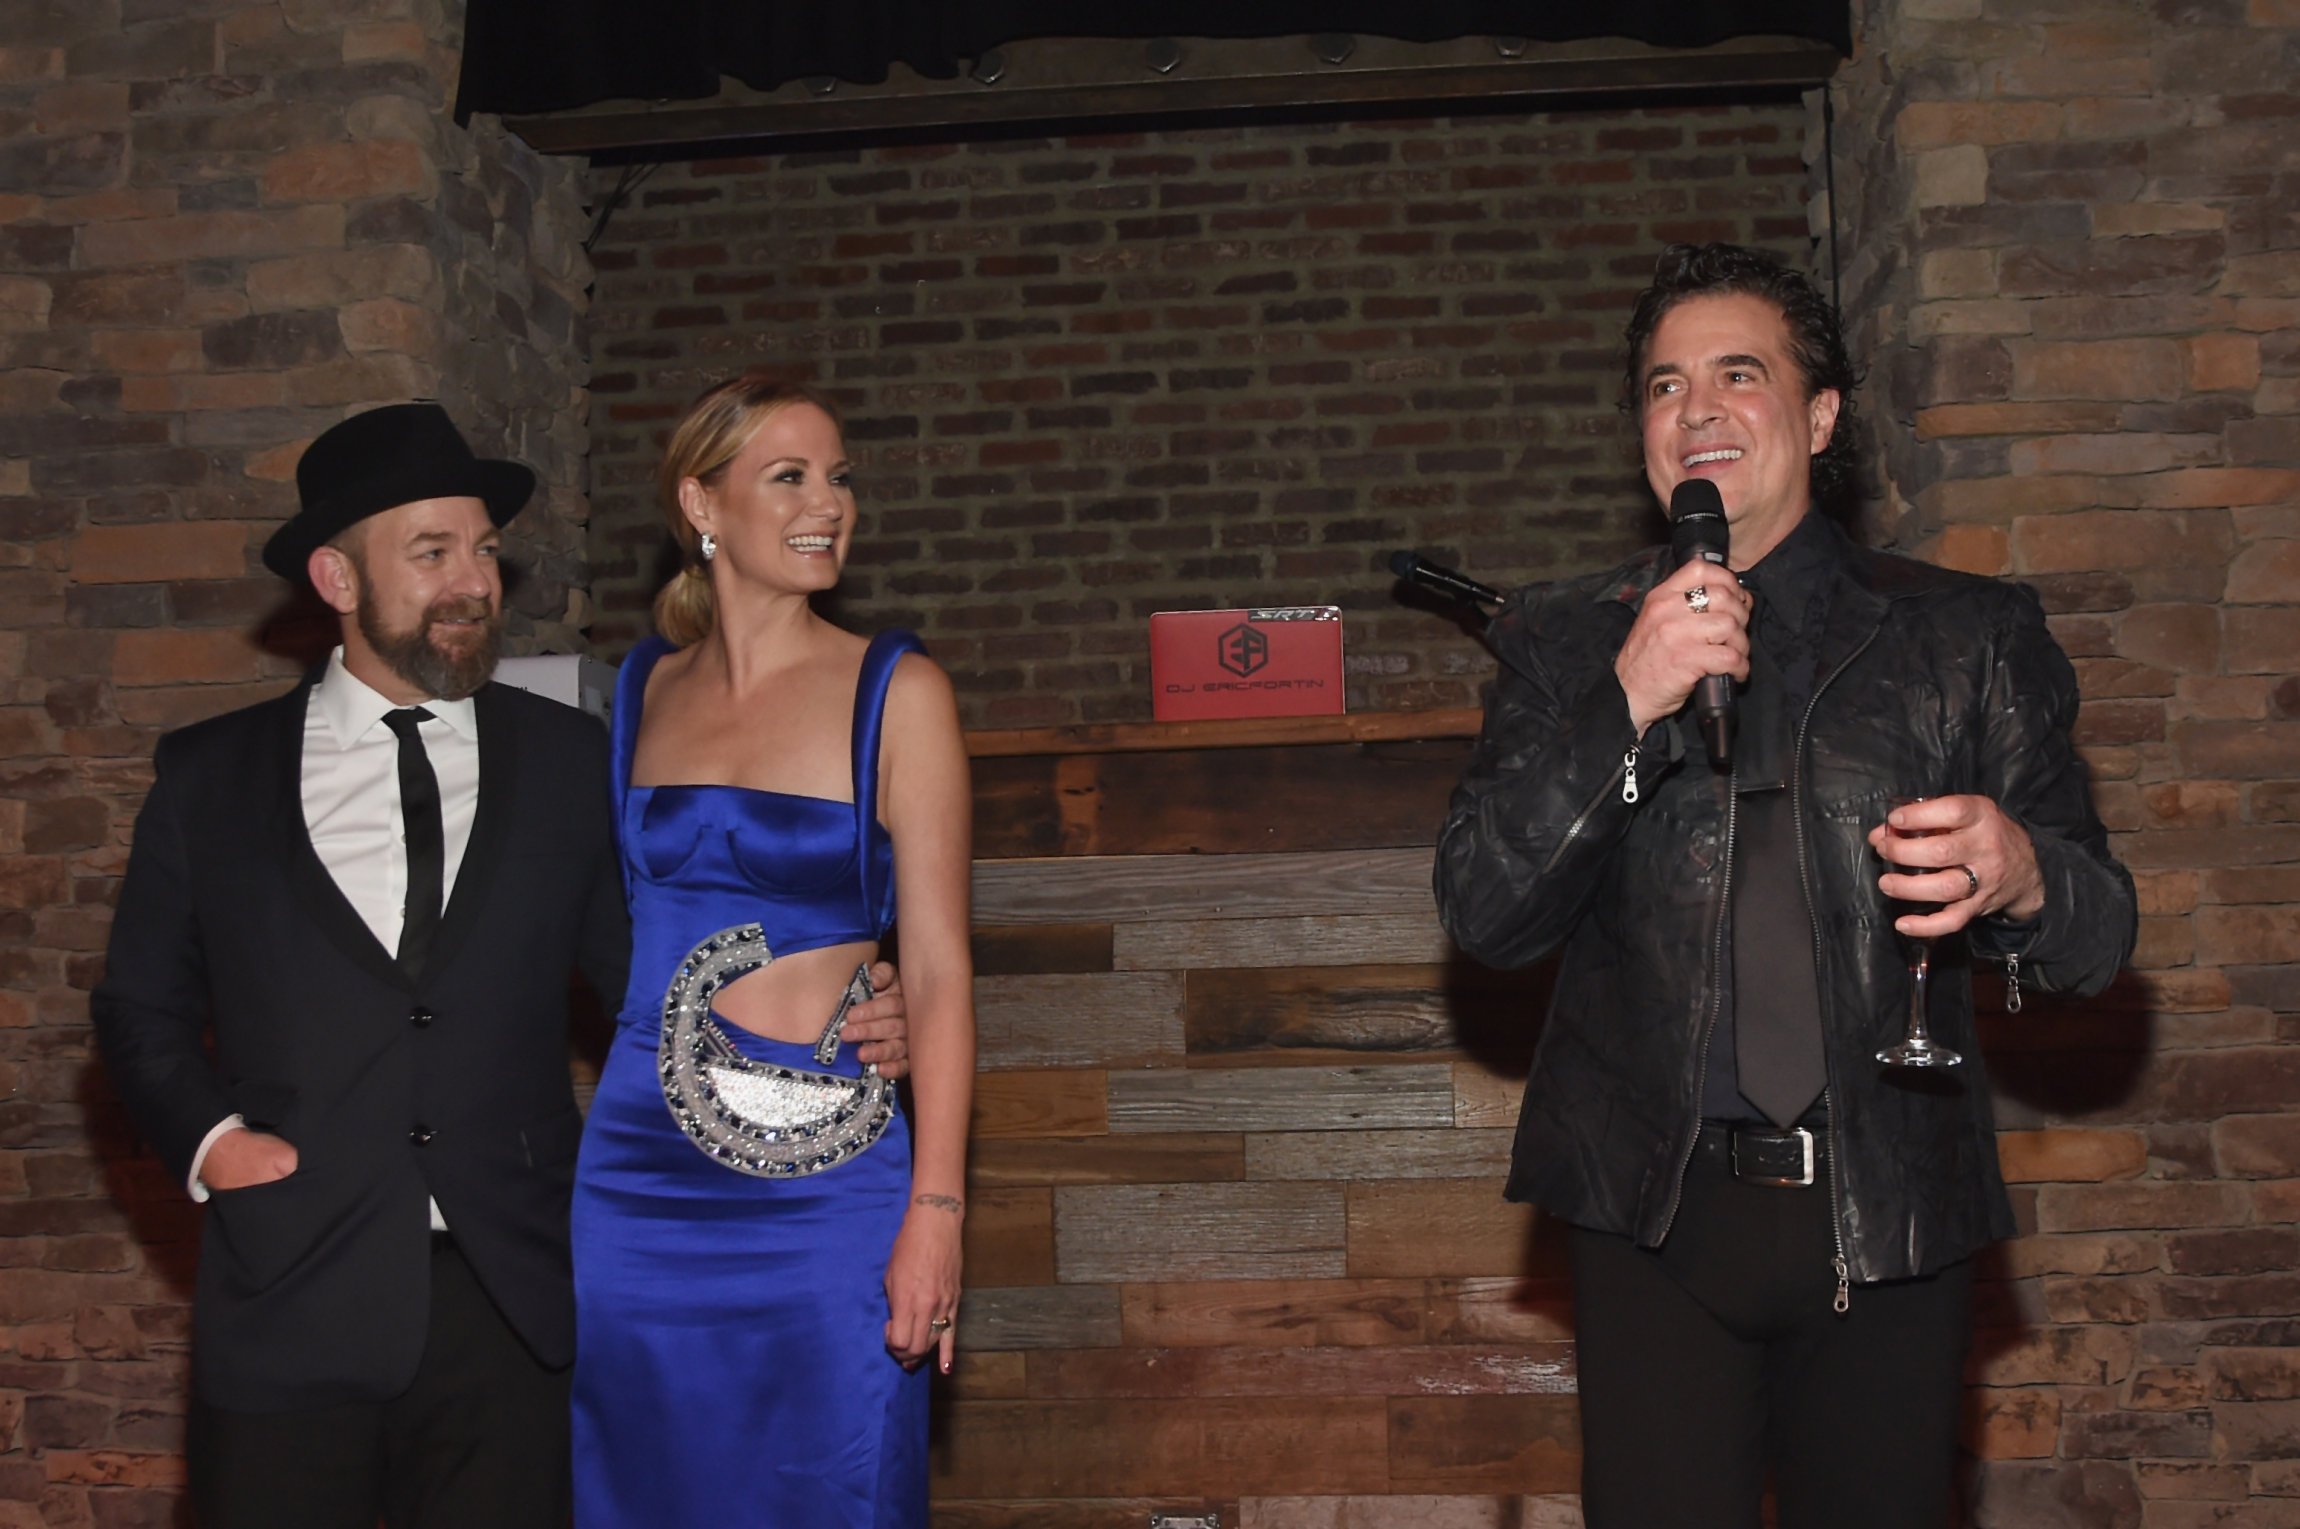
[458, 608]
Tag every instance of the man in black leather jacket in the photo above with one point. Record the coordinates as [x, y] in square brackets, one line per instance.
[1773, 1228]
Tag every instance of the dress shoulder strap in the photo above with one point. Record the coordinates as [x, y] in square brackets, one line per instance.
[878, 664]
[623, 721]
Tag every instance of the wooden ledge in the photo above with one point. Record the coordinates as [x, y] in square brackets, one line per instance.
[1230, 733]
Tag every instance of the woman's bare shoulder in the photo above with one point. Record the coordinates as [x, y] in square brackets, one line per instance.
[920, 700]
[919, 678]
[667, 677]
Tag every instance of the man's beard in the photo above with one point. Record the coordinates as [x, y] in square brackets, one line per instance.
[415, 658]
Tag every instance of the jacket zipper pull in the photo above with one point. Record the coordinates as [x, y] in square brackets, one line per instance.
[1629, 776]
[1844, 1301]
[2012, 983]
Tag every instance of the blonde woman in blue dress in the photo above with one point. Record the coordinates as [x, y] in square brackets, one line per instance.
[761, 1276]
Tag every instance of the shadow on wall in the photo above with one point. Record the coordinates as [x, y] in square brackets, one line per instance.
[2062, 1059]
[163, 1221]
[1498, 1015]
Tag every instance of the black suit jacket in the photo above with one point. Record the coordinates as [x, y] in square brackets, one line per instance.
[314, 1291]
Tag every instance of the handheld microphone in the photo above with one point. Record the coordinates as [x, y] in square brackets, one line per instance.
[1454, 586]
[1698, 530]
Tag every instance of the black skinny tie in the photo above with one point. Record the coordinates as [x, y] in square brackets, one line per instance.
[426, 839]
[1776, 995]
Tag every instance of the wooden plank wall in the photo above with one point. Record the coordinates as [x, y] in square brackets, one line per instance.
[1237, 1240]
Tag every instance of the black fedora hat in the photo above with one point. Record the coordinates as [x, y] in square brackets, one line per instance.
[379, 460]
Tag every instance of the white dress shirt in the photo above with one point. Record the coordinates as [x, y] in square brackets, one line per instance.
[352, 810]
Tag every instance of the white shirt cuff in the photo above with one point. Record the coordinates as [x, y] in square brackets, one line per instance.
[199, 1191]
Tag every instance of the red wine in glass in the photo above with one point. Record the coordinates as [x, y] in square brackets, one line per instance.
[1916, 1048]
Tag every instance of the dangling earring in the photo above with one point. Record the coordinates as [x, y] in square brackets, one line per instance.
[708, 545]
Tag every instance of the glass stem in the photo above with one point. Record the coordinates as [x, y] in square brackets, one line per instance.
[1920, 972]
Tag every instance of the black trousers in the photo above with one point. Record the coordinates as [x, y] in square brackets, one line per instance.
[479, 1441]
[1717, 1358]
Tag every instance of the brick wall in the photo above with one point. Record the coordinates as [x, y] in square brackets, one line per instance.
[223, 226]
[2070, 254]
[2070, 242]
[1088, 379]
[514, 285]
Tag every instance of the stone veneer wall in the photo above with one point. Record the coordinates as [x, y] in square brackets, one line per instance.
[2072, 240]
[223, 226]
[1092, 378]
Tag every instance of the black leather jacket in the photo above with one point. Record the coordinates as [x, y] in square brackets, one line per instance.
[1930, 683]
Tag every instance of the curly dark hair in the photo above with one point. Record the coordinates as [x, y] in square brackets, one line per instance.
[1815, 341]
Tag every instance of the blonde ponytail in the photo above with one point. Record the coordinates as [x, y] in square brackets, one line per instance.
[684, 609]
[712, 433]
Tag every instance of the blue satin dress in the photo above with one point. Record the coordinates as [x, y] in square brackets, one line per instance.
[731, 1369]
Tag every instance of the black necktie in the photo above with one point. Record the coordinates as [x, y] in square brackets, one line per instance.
[1776, 999]
[426, 839]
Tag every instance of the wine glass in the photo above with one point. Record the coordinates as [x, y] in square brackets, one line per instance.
[1916, 1048]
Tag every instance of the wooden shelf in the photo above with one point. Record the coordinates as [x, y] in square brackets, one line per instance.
[1237, 733]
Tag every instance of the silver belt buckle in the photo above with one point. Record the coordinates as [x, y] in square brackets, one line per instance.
[1752, 1175]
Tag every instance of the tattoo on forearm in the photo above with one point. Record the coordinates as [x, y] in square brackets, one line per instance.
[939, 1202]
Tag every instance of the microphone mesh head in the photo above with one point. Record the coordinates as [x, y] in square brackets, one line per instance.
[1695, 496]
[1698, 528]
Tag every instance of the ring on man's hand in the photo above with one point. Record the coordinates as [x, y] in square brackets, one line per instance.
[938, 1325]
[1698, 598]
[1972, 882]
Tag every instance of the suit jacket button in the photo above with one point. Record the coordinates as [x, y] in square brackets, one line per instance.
[420, 1017]
[422, 1135]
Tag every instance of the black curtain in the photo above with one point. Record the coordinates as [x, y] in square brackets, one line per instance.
[523, 56]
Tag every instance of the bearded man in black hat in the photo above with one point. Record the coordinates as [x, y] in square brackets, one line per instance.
[374, 890]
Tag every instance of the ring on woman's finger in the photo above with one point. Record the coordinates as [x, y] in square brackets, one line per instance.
[938, 1325]
[1698, 598]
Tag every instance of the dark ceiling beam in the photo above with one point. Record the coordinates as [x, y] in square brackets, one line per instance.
[1057, 81]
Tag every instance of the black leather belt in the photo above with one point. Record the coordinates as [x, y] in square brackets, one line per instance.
[1788, 1159]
